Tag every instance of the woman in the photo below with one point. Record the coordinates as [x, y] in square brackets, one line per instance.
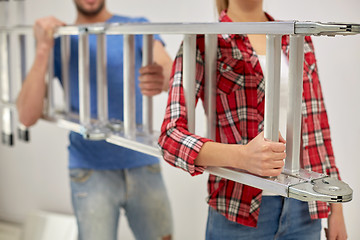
[238, 211]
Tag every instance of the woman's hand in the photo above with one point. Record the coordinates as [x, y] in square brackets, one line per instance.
[263, 157]
[336, 224]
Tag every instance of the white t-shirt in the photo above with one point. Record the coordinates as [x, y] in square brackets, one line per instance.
[284, 96]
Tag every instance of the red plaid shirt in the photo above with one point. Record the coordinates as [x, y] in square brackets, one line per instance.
[240, 118]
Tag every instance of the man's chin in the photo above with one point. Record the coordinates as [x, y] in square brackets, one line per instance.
[90, 12]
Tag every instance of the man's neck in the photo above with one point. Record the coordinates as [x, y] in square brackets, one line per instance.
[102, 16]
[246, 11]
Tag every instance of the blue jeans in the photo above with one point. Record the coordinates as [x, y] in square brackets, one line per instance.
[280, 219]
[97, 197]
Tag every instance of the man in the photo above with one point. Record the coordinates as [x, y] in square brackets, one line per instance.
[104, 177]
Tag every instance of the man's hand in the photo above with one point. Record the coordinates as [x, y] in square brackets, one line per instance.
[43, 30]
[151, 79]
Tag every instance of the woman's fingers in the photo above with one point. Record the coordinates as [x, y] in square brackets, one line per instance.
[281, 139]
[277, 146]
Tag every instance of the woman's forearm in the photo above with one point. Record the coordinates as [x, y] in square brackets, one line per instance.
[218, 154]
[259, 156]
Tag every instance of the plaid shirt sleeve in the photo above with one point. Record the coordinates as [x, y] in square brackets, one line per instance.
[318, 140]
[330, 167]
[180, 147]
[318, 153]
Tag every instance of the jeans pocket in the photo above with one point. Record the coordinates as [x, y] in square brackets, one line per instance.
[80, 175]
[155, 168]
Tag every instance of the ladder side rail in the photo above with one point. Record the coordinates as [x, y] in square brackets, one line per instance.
[147, 103]
[50, 104]
[6, 94]
[84, 82]
[275, 28]
[65, 61]
[5, 67]
[210, 85]
[23, 132]
[189, 78]
[272, 87]
[285, 27]
[293, 126]
[101, 79]
[129, 87]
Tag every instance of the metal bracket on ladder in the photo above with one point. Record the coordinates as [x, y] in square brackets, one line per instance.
[294, 182]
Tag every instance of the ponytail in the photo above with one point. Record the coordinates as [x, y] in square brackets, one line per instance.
[222, 5]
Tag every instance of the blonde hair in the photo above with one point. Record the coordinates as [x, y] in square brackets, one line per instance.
[222, 5]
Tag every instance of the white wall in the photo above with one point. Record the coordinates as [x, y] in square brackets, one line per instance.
[34, 176]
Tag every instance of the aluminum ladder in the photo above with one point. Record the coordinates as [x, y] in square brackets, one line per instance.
[293, 182]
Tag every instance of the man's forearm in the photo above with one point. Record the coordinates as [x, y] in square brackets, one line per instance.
[31, 97]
